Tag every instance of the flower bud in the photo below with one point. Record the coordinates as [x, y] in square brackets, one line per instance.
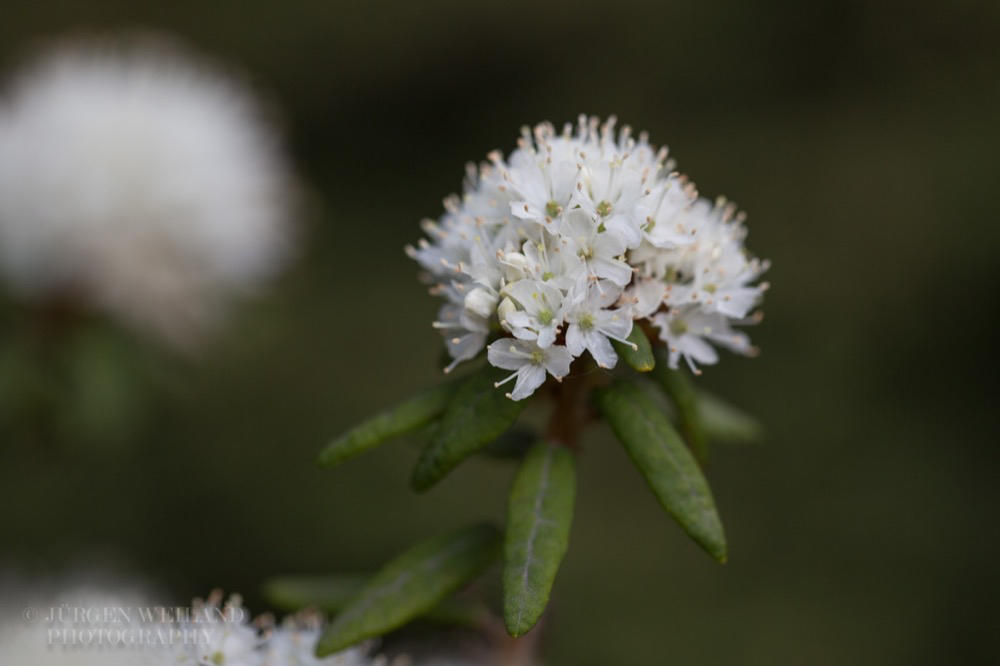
[481, 302]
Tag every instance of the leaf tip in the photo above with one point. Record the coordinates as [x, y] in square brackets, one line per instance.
[516, 626]
[326, 457]
[327, 645]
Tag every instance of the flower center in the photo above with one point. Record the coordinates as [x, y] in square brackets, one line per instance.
[586, 321]
[604, 208]
[552, 208]
[678, 327]
[710, 288]
[545, 316]
[677, 276]
[538, 357]
[547, 275]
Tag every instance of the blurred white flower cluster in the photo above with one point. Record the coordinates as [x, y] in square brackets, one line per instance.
[92, 626]
[139, 182]
[30, 627]
[577, 235]
[233, 640]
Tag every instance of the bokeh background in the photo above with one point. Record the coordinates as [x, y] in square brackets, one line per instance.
[862, 139]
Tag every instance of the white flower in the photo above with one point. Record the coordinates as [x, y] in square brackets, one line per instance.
[530, 363]
[549, 262]
[541, 314]
[614, 192]
[293, 643]
[663, 228]
[646, 295]
[686, 331]
[467, 333]
[546, 189]
[141, 183]
[593, 325]
[573, 238]
[599, 251]
[230, 639]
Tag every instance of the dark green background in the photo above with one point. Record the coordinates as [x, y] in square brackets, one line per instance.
[862, 139]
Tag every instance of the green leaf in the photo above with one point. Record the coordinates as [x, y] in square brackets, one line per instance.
[539, 515]
[412, 584]
[639, 356]
[514, 444]
[724, 423]
[407, 416]
[477, 414]
[459, 613]
[667, 465]
[331, 594]
[685, 399]
[328, 593]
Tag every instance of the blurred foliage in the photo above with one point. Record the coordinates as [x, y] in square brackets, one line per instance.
[862, 139]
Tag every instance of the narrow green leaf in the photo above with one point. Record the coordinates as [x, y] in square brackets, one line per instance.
[407, 416]
[475, 415]
[539, 515]
[456, 612]
[331, 594]
[726, 424]
[665, 462]
[412, 584]
[328, 593]
[640, 357]
[678, 387]
[514, 444]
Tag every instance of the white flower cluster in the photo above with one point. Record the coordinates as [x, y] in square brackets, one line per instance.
[233, 640]
[93, 627]
[29, 636]
[577, 236]
[141, 183]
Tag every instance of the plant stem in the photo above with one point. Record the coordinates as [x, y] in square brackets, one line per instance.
[568, 413]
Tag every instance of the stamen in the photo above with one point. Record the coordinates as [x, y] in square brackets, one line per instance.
[501, 383]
